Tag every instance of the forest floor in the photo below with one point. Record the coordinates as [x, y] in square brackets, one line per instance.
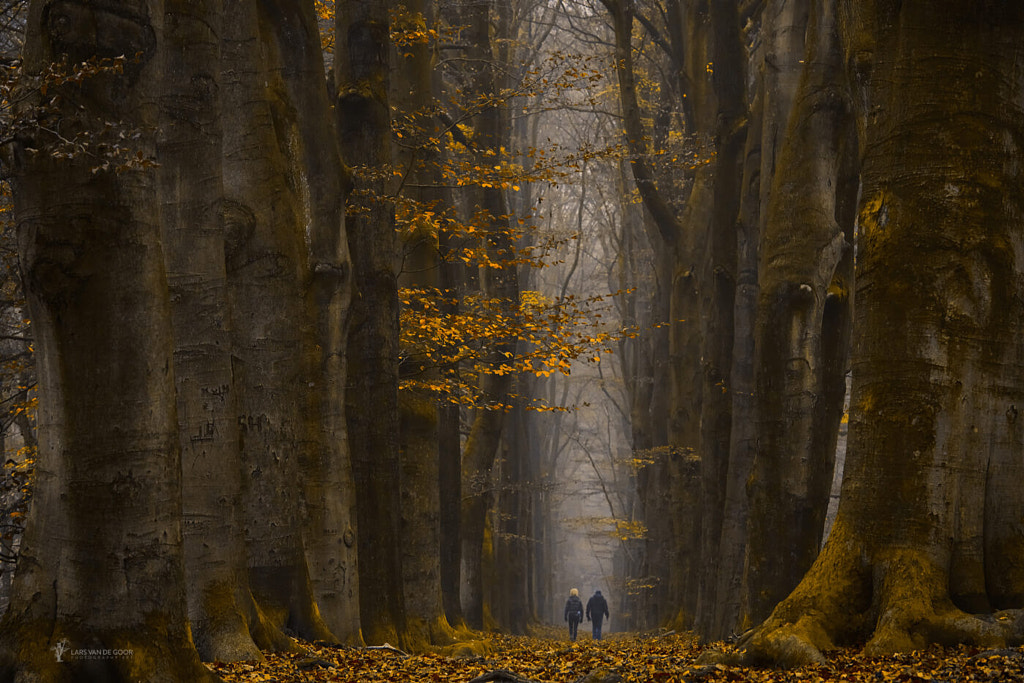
[634, 658]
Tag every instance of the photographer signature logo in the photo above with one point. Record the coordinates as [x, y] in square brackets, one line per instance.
[59, 649]
[64, 652]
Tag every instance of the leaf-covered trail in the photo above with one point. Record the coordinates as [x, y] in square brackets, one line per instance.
[634, 658]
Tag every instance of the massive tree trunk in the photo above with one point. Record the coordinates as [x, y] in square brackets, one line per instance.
[364, 126]
[310, 145]
[189, 149]
[272, 332]
[101, 560]
[776, 61]
[927, 539]
[721, 114]
[802, 327]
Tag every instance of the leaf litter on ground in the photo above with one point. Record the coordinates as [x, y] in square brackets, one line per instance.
[629, 658]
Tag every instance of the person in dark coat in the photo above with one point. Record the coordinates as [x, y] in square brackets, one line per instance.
[573, 612]
[597, 609]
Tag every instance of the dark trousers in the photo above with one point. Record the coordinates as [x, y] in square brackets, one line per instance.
[573, 624]
[597, 629]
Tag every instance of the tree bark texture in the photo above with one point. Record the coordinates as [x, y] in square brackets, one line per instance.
[419, 159]
[364, 126]
[721, 115]
[913, 557]
[803, 327]
[273, 337]
[314, 170]
[101, 560]
[513, 526]
[498, 283]
[190, 172]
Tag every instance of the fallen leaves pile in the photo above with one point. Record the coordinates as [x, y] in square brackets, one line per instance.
[633, 658]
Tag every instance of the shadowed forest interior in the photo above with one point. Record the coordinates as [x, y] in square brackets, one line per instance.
[388, 323]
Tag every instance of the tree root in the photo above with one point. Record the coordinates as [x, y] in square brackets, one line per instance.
[898, 603]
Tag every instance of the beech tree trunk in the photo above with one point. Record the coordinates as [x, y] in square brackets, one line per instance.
[189, 149]
[364, 124]
[500, 284]
[927, 540]
[101, 560]
[720, 112]
[310, 145]
[511, 605]
[420, 405]
[777, 54]
[802, 327]
[273, 336]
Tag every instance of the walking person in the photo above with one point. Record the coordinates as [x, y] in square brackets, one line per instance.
[597, 609]
[573, 612]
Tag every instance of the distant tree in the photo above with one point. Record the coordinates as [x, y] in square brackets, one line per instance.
[695, 232]
[361, 76]
[424, 203]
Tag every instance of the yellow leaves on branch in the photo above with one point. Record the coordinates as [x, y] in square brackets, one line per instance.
[407, 28]
[440, 331]
[619, 529]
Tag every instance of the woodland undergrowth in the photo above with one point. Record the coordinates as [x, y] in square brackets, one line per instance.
[632, 658]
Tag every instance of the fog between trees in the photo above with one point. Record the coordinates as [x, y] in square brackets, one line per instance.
[362, 322]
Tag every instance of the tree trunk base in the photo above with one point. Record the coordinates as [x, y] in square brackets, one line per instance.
[285, 600]
[897, 601]
[421, 635]
[62, 652]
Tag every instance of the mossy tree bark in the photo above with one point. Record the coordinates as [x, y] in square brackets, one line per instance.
[190, 172]
[273, 335]
[927, 539]
[498, 282]
[803, 327]
[419, 159]
[776, 55]
[230, 210]
[361, 65]
[719, 114]
[101, 560]
[315, 171]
